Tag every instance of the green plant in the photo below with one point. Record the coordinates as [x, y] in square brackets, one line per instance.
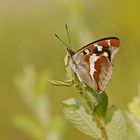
[39, 124]
[133, 115]
[91, 114]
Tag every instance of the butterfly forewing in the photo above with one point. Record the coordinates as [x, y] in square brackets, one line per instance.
[93, 62]
[111, 43]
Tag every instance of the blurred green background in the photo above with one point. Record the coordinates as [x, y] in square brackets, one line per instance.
[26, 37]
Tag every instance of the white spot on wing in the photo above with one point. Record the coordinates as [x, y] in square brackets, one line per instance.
[92, 60]
[87, 51]
[99, 48]
[105, 54]
[108, 41]
[96, 45]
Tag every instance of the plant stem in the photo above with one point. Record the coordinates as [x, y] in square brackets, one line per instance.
[91, 106]
[104, 134]
[100, 124]
[99, 120]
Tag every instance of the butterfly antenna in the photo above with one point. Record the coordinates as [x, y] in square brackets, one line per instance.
[68, 35]
[61, 40]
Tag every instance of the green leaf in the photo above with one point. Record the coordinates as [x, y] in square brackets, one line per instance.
[56, 129]
[135, 125]
[134, 107]
[89, 97]
[99, 102]
[132, 136]
[115, 124]
[77, 114]
[41, 83]
[28, 125]
[102, 105]
[110, 113]
[59, 83]
[25, 83]
[41, 109]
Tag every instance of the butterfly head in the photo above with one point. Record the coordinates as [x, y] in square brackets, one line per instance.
[70, 52]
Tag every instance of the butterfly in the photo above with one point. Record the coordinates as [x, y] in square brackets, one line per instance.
[93, 63]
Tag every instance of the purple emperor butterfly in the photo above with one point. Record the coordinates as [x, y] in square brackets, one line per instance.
[94, 62]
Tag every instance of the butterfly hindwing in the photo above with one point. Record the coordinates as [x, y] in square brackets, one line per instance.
[102, 74]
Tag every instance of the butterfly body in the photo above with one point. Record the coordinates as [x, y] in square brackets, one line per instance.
[93, 63]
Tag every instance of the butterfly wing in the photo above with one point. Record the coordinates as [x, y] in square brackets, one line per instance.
[93, 63]
[80, 66]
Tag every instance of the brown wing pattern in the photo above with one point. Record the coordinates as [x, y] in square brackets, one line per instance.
[102, 73]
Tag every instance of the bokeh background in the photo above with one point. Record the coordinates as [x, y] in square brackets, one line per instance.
[27, 29]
